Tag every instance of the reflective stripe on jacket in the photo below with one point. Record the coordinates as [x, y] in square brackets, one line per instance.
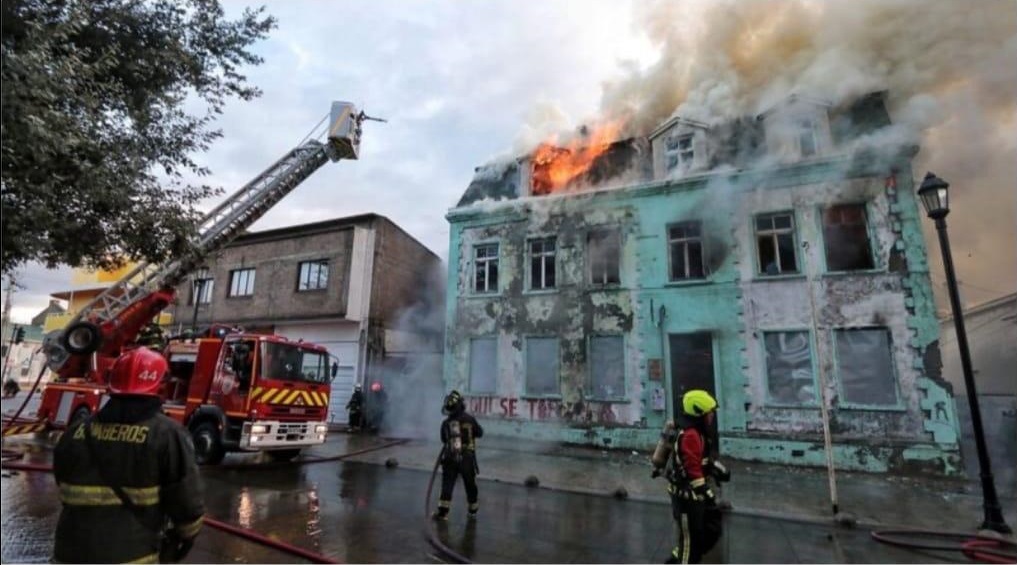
[146, 454]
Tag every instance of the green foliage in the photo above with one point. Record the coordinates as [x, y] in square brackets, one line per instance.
[104, 104]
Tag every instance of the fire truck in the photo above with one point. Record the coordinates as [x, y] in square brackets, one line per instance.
[234, 391]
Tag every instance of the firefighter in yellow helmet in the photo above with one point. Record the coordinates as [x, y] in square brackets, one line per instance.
[127, 476]
[683, 455]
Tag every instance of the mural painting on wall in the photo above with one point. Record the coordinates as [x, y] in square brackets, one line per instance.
[541, 410]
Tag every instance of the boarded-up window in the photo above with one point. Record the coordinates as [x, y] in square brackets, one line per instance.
[483, 365]
[789, 368]
[865, 367]
[847, 238]
[604, 251]
[775, 239]
[607, 367]
[542, 366]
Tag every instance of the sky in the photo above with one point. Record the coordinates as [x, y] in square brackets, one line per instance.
[465, 83]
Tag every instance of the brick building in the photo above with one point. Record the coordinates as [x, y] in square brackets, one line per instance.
[345, 284]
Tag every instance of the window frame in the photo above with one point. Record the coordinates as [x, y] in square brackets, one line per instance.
[702, 252]
[300, 274]
[236, 272]
[615, 230]
[543, 264]
[813, 364]
[774, 232]
[676, 158]
[590, 388]
[810, 126]
[469, 365]
[207, 290]
[473, 269]
[843, 402]
[526, 362]
[869, 238]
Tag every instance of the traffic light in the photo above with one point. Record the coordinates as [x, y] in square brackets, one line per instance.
[19, 334]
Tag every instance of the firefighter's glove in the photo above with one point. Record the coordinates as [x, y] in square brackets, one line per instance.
[702, 493]
[720, 472]
[174, 547]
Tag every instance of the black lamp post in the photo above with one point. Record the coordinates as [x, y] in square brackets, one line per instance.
[933, 193]
[197, 291]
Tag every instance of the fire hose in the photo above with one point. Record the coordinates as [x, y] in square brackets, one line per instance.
[432, 534]
[10, 454]
[975, 547]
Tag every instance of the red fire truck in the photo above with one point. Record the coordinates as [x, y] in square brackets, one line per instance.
[232, 390]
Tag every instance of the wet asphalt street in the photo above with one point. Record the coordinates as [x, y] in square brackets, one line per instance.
[364, 513]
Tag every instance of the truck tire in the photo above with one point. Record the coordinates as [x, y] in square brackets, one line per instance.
[283, 454]
[80, 415]
[208, 449]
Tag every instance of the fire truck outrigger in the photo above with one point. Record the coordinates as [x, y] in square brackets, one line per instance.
[232, 390]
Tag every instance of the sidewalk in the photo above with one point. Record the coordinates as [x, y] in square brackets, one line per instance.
[757, 489]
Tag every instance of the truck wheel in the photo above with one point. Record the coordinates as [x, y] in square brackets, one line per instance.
[82, 338]
[283, 454]
[208, 449]
[79, 416]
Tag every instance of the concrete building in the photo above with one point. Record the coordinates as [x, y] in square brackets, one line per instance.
[24, 361]
[992, 333]
[342, 283]
[757, 258]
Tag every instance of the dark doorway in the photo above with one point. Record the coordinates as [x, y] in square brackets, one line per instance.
[692, 368]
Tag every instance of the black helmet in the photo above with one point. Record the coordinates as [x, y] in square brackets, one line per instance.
[453, 404]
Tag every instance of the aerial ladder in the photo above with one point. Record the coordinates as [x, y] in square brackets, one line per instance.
[94, 338]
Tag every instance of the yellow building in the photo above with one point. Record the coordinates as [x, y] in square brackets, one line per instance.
[85, 285]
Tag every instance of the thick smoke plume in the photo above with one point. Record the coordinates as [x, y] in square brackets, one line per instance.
[950, 69]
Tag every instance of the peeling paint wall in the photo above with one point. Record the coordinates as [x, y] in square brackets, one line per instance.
[734, 304]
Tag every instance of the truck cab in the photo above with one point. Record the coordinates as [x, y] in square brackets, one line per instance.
[248, 392]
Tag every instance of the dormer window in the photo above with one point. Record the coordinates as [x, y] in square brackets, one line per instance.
[807, 137]
[680, 153]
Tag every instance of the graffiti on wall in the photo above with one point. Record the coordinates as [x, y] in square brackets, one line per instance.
[541, 409]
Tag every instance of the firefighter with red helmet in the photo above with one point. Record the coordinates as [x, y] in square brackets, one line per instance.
[459, 433]
[127, 476]
[684, 457]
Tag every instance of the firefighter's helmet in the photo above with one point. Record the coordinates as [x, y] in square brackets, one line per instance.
[453, 404]
[138, 371]
[698, 403]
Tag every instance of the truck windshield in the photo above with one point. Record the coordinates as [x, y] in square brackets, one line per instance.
[287, 362]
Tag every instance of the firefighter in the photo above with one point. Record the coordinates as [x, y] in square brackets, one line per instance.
[152, 336]
[459, 433]
[684, 456]
[127, 477]
[356, 408]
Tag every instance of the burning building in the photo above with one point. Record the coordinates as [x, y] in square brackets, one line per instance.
[776, 260]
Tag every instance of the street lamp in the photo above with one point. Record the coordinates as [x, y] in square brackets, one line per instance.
[198, 282]
[933, 194]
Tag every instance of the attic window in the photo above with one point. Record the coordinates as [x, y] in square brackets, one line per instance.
[807, 137]
[680, 153]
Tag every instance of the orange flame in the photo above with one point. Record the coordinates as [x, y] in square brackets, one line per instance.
[554, 166]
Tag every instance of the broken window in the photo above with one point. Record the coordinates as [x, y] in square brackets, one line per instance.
[807, 137]
[242, 282]
[604, 248]
[865, 367]
[685, 245]
[775, 237]
[312, 275]
[607, 367]
[202, 286]
[679, 152]
[542, 366]
[542, 264]
[789, 378]
[485, 268]
[483, 365]
[847, 238]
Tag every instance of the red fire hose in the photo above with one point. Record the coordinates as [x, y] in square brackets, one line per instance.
[975, 547]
